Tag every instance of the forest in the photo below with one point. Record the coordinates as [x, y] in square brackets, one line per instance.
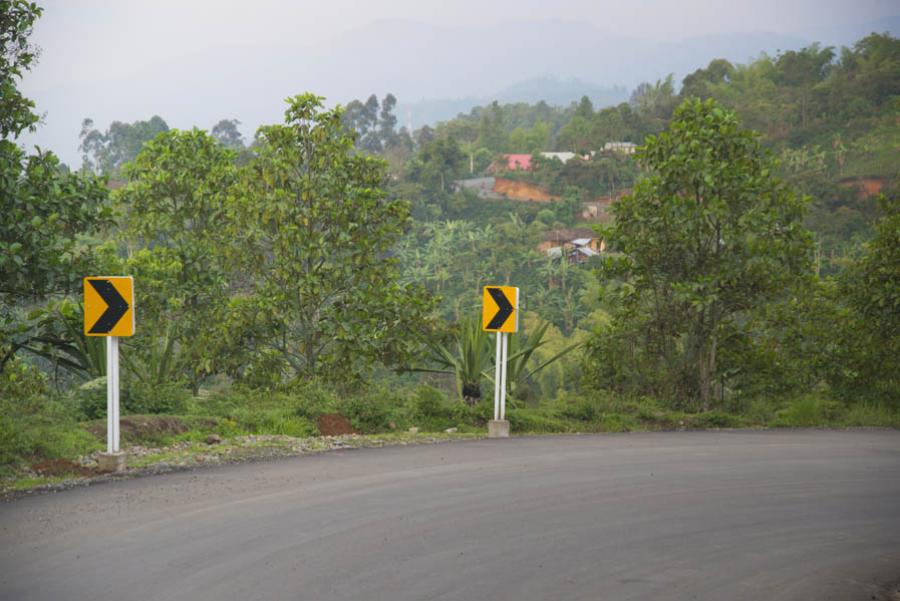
[332, 264]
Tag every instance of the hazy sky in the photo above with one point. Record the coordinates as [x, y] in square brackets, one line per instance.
[194, 62]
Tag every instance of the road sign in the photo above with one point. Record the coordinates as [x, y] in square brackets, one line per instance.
[500, 314]
[109, 312]
[500, 310]
[109, 306]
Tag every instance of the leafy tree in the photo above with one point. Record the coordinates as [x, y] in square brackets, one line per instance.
[708, 235]
[176, 198]
[491, 130]
[106, 152]
[576, 136]
[531, 140]
[227, 134]
[315, 227]
[388, 121]
[360, 117]
[442, 160]
[585, 108]
[424, 135]
[872, 291]
[655, 102]
[16, 57]
[46, 213]
[697, 83]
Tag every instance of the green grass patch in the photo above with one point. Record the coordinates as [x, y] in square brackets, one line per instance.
[44, 429]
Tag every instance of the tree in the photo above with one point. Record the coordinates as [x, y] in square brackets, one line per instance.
[697, 83]
[316, 228]
[356, 119]
[227, 134]
[442, 160]
[388, 121]
[46, 213]
[16, 57]
[106, 152]
[708, 235]
[585, 108]
[872, 291]
[491, 129]
[177, 197]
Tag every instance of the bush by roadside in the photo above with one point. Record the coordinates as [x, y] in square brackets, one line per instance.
[42, 433]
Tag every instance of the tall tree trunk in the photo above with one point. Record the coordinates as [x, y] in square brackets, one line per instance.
[707, 370]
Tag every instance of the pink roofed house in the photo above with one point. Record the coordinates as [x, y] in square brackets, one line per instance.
[518, 161]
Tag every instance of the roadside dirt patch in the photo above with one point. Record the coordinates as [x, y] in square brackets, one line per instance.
[332, 424]
[144, 428]
[61, 467]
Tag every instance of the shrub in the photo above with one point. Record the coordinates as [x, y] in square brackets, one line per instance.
[716, 419]
[21, 380]
[136, 398]
[41, 428]
[583, 408]
[431, 402]
[530, 420]
[616, 422]
[808, 411]
[370, 412]
[155, 398]
[872, 415]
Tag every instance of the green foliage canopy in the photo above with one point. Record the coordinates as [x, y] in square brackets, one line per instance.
[316, 227]
[708, 235]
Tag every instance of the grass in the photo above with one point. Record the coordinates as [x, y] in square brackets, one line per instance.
[260, 424]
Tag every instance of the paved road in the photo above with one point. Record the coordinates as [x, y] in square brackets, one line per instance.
[702, 515]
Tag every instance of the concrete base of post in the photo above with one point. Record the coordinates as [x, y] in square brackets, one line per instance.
[111, 463]
[498, 428]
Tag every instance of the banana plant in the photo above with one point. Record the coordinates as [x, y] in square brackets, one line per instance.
[467, 356]
[60, 339]
[520, 350]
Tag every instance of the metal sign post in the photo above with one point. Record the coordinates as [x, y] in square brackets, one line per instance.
[109, 312]
[498, 374]
[500, 314]
[504, 362]
[112, 394]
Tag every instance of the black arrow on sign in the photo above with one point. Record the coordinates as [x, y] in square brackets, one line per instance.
[116, 306]
[504, 309]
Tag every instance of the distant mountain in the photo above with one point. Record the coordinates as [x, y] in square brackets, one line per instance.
[850, 33]
[449, 69]
[551, 90]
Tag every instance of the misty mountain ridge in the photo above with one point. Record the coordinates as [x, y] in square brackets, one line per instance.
[435, 71]
[549, 89]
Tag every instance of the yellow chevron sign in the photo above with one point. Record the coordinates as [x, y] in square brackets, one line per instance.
[109, 306]
[500, 309]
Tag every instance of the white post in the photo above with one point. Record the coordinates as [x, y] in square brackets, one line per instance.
[112, 394]
[503, 361]
[497, 373]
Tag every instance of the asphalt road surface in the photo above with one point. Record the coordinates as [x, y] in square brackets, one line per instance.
[698, 515]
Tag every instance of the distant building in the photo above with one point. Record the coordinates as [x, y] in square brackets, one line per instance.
[597, 210]
[515, 162]
[577, 244]
[620, 147]
[564, 157]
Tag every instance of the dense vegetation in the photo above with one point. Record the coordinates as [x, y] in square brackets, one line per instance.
[334, 264]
